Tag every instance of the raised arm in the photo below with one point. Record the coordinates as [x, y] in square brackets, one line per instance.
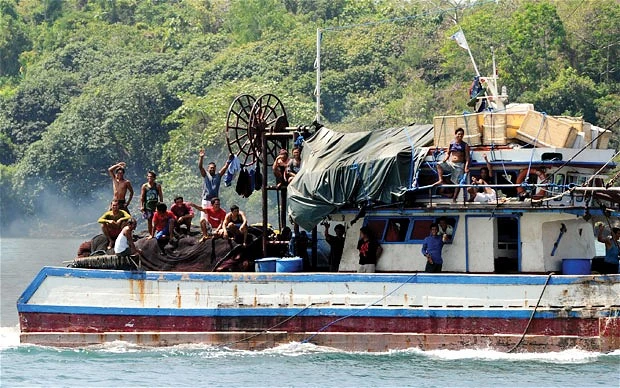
[112, 169]
[489, 167]
[201, 156]
[226, 165]
[602, 238]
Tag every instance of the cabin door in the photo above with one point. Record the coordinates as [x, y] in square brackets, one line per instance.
[492, 244]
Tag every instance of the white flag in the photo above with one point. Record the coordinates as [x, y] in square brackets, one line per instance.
[459, 37]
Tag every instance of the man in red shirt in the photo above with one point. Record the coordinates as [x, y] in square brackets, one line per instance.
[215, 215]
[183, 214]
[163, 223]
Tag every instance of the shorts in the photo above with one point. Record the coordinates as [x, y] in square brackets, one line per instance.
[456, 170]
[484, 197]
[366, 268]
[122, 205]
[159, 235]
[205, 204]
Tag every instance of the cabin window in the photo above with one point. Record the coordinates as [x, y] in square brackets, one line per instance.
[404, 229]
[421, 229]
[377, 227]
[558, 181]
[397, 229]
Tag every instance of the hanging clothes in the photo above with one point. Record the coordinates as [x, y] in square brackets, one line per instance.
[233, 168]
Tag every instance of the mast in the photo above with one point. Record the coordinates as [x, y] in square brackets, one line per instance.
[317, 65]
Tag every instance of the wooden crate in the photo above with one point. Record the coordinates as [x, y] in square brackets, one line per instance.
[603, 140]
[515, 113]
[546, 131]
[444, 127]
[494, 128]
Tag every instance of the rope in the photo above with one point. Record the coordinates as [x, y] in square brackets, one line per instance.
[358, 311]
[532, 316]
[529, 166]
[268, 329]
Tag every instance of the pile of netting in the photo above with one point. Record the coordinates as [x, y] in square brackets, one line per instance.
[184, 252]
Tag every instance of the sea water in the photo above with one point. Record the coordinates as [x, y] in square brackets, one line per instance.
[120, 364]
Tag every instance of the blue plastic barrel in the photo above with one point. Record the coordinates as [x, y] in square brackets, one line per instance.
[289, 264]
[576, 266]
[268, 264]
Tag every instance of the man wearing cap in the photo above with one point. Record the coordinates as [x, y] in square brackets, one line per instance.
[120, 185]
[279, 167]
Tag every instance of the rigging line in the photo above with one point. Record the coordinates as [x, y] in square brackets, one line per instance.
[587, 183]
[529, 166]
[360, 310]
[533, 313]
[268, 329]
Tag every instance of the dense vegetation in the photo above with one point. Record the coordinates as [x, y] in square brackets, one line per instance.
[87, 83]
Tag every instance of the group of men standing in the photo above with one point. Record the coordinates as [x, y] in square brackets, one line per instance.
[117, 224]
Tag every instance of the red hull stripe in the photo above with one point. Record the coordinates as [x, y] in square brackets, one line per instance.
[591, 327]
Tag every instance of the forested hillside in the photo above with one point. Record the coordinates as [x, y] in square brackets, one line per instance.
[87, 83]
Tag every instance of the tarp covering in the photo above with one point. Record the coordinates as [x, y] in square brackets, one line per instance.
[341, 169]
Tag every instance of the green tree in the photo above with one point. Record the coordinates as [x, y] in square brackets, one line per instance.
[13, 39]
[121, 121]
[569, 95]
[536, 47]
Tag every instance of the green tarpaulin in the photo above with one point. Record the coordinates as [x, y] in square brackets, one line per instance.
[340, 169]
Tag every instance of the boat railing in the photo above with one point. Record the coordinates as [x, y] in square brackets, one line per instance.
[552, 191]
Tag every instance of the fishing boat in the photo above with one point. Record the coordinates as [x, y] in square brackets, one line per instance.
[520, 270]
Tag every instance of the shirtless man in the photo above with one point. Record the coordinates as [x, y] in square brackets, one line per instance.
[121, 185]
[279, 167]
[456, 161]
[235, 223]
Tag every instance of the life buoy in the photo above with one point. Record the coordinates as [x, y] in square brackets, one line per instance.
[541, 178]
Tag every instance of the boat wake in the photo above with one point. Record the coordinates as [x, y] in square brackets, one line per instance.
[9, 339]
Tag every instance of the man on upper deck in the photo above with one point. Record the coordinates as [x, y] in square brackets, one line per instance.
[456, 162]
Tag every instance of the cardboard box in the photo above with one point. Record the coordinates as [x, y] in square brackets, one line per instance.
[546, 131]
[444, 127]
[494, 129]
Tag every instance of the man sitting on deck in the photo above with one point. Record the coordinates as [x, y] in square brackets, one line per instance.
[183, 213]
[236, 224]
[163, 224]
[124, 245]
[212, 224]
[112, 222]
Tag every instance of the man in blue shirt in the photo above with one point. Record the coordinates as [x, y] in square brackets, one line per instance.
[431, 249]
